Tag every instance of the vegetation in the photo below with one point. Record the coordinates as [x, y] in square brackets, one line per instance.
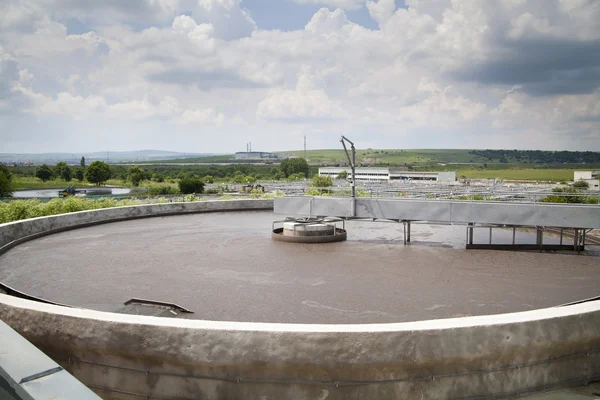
[80, 174]
[44, 172]
[136, 175]
[322, 181]
[555, 175]
[342, 175]
[63, 171]
[570, 195]
[161, 190]
[191, 184]
[6, 182]
[581, 185]
[98, 172]
[538, 156]
[291, 166]
[297, 177]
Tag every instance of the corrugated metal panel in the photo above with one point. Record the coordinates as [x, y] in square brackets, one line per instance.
[482, 212]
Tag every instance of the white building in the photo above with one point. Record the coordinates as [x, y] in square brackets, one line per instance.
[387, 174]
[591, 177]
[254, 155]
[362, 174]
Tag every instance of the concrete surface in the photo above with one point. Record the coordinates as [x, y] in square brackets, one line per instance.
[224, 266]
[21, 363]
[591, 392]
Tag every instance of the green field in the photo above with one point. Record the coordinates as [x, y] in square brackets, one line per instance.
[28, 182]
[389, 156]
[555, 175]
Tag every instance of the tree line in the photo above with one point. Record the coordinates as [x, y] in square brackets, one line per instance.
[190, 178]
[539, 156]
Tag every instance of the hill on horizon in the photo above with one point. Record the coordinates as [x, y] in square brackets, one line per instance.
[111, 156]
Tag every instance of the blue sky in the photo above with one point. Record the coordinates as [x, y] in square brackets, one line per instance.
[211, 75]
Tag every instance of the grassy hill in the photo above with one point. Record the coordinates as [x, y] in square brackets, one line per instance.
[389, 156]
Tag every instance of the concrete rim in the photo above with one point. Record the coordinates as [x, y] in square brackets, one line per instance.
[339, 236]
[424, 325]
[251, 205]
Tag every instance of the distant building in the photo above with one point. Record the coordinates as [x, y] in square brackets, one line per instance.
[591, 177]
[578, 175]
[255, 155]
[388, 174]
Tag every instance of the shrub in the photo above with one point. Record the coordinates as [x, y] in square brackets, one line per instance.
[322, 181]
[191, 184]
[156, 190]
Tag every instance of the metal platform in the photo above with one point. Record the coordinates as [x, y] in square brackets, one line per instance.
[578, 219]
[445, 211]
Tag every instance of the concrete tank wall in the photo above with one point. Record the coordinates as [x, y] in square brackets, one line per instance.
[443, 359]
[121, 356]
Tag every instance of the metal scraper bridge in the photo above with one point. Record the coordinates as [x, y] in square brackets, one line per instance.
[574, 219]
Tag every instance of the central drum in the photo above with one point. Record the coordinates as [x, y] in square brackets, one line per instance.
[309, 230]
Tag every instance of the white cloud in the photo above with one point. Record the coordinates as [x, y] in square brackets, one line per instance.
[381, 10]
[306, 101]
[441, 107]
[205, 116]
[326, 22]
[345, 4]
[230, 21]
[504, 69]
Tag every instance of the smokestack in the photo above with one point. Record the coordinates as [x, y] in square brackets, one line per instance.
[305, 147]
[250, 147]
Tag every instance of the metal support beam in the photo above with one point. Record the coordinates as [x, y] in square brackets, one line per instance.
[539, 237]
[352, 161]
[470, 230]
[561, 236]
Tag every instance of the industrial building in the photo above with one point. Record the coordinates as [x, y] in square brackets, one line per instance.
[591, 177]
[389, 174]
[255, 155]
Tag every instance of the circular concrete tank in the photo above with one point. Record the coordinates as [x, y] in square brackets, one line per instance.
[359, 316]
[309, 230]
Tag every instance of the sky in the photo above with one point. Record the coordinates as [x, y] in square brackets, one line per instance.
[209, 76]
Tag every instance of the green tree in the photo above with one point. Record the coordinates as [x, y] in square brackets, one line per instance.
[79, 174]
[44, 172]
[6, 183]
[208, 179]
[239, 178]
[322, 181]
[277, 173]
[581, 185]
[98, 172]
[291, 166]
[63, 171]
[296, 177]
[158, 177]
[191, 184]
[136, 175]
[342, 175]
[82, 162]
